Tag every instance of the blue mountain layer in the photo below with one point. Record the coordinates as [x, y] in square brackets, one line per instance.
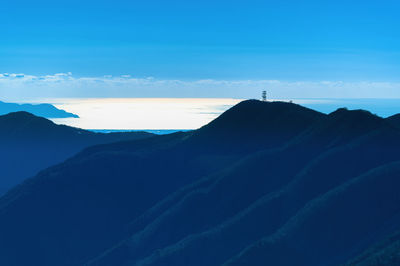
[44, 110]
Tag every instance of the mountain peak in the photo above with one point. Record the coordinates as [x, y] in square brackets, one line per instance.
[43, 110]
[355, 118]
[394, 120]
[259, 114]
[256, 125]
[356, 112]
[20, 114]
[23, 119]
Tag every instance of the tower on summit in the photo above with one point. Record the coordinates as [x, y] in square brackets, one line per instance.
[264, 96]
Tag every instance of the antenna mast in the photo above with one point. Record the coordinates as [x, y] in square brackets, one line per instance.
[264, 96]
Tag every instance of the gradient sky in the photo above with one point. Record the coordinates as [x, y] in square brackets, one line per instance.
[354, 45]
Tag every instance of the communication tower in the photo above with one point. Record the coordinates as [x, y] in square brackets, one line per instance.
[264, 96]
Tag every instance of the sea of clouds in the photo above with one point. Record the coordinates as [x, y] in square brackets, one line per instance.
[23, 87]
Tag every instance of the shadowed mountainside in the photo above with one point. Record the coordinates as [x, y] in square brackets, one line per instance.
[249, 198]
[394, 120]
[265, 183]
[30, 143]
[385, 253]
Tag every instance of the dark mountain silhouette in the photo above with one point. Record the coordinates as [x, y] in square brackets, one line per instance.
[336, 223]
[44, 110]
[394, 120]
[254, 125]
[385, 253]
[30, 143]
[239, 192]
[266, 183]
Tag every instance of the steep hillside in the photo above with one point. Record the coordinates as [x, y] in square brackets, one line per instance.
[385, 253]
[336, 224]
[96, 195]
[30, 144]
[265, 183]
[259, 192]
[253, 125]
[394, 120]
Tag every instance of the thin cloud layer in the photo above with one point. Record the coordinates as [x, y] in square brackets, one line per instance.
[19, 86]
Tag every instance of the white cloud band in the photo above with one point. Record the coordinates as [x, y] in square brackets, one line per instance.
[19, 87]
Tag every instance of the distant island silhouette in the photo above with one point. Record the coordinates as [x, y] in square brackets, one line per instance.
[266, 183]
[44, 110]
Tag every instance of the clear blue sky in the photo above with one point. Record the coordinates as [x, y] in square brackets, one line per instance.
[350, 41]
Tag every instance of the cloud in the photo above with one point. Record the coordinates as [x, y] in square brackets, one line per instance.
[20, 87]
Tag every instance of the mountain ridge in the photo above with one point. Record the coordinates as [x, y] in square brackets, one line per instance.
[30, 143]
[210, 196]
[44, 109]
[191, 263]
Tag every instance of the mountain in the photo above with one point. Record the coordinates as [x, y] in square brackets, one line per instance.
[338, 224]
[394, 120]
[384, 253]
[43, 110]
[265, 183]
[254, 125]
[216, 217]
[30, 144]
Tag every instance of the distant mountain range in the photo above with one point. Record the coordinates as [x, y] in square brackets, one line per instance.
[30, 143]
[43, 110]
[266, 183]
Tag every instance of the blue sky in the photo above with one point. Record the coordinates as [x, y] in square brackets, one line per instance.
[352, 42]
